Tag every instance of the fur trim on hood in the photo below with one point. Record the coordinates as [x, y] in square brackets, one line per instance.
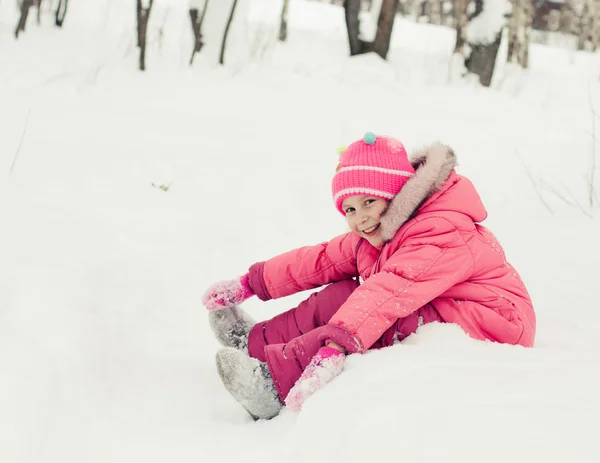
[433, 165]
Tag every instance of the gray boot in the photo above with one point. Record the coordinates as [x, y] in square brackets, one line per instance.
[231, 326]
[249, 382]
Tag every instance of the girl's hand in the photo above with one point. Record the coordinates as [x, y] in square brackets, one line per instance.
[227, 293]
[335, 346]
[324, 366]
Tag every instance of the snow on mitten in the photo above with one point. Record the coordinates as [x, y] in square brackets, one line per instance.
[227, 293]
[324, 366]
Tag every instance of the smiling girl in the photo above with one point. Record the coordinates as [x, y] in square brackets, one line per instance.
[415, 254]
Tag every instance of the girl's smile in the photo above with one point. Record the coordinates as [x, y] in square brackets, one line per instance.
[362, 215]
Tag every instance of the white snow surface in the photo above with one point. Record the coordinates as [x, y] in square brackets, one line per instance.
[484, 28]
[105, 350]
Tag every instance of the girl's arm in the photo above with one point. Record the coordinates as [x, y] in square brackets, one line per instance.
[305, 268]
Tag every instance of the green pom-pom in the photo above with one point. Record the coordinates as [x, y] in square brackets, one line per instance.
[370, 138]
[340, 149]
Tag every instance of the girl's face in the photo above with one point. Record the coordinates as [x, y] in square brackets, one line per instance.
[362, 214]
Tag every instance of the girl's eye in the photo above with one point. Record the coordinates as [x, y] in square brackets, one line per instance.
[369, 201]
[349, 210]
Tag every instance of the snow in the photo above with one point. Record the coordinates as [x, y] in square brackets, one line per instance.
[484, 28]
[198, 4]
[105, 349]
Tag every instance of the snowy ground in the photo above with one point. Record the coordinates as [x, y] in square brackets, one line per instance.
[105, 350]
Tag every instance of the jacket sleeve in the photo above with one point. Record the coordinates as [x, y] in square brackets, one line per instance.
[431, 258]
[305, 268]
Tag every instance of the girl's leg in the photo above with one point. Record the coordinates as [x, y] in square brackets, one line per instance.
[288, 342]
[287, 361]
[406, 326]
[312, 313]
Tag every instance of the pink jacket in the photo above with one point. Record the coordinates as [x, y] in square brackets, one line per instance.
[437, 253]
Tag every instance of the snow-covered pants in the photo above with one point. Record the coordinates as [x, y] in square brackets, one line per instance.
[289, 341]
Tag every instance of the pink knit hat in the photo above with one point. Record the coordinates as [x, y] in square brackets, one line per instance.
[374, 166]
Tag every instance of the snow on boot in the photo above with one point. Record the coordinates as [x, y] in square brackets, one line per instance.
[249, 382]
[231, 326]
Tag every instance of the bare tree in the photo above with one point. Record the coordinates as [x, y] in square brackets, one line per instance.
[25, 6]
[435, 10]
[519, 27]
[595, 29]
[584, 24]
[385, 24]
[61, 12]
[283, 24]
[352, 10]
[227, 27]
[197, 20]
[581, 18]
[569, 22]
[587, 14]
[143, 14]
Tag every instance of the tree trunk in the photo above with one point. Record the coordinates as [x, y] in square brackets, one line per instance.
[435, 11]
[581, 34]
[283, 24]
[460, 23]
[587, 25]
[197, 20]
[595, 29]
[61, 12]
[25, 5]
[385, 25]
[519, 26]
[143, 15]
[569, 17]
[224, 43]
[352, 9]
[482, 59]
[478, 53]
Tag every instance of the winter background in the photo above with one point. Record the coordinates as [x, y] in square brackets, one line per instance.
[105, 350]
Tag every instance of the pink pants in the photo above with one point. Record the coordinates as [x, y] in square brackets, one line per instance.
[288, 341]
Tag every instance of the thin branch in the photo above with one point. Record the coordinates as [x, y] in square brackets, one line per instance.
[535, 186]
[12, 167]
[204, 12]
[197, 29]
[571, 202]
[227, 26]
[589, 132]
[591, 193]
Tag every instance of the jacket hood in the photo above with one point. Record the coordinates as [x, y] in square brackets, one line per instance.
[434, 187]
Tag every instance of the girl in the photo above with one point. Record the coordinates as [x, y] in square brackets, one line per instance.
[423, 257]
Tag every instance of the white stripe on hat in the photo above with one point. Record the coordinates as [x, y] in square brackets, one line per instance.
[357, 190]
[377, 169]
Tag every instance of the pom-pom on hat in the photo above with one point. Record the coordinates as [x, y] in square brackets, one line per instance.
[373, 166]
